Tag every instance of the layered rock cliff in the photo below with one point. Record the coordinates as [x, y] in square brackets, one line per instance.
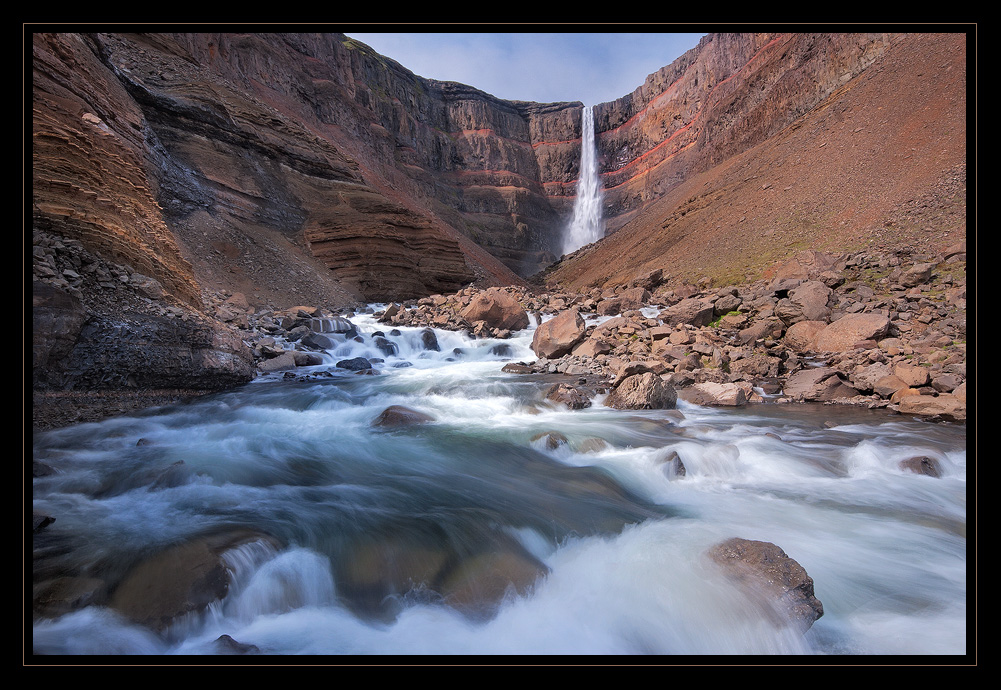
[308, 169]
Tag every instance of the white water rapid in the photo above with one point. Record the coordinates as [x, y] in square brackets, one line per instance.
[345, 503]
[587, 225]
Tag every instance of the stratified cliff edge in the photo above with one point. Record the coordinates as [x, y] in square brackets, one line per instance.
[172, 170]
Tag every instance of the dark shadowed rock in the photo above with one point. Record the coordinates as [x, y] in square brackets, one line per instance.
[354, 364]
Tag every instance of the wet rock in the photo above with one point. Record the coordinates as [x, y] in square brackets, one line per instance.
[396, 416]
[429, 340]
[762, 569]
[553, 439]
[481, 581]
[354, 364]
[61, 595]
[921, 465]
[672, 466]
[224, 644]
[180, 580]
[282, 362]
[948, 406]
[572, 397]
[387, 347]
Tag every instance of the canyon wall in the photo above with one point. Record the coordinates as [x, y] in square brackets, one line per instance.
[308, 169]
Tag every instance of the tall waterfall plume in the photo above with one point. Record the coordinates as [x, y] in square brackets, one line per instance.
[587, 225]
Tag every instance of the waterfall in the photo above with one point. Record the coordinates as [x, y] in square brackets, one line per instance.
[587, 225]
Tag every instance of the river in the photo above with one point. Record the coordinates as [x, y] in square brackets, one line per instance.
[623, 571]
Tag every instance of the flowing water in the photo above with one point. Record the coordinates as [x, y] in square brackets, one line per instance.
[586, 226]
[624, 566]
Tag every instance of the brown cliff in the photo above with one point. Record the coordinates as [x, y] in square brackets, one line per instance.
[878, 162]
[308, 169]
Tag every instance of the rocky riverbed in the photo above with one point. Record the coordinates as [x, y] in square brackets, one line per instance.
[881, 331]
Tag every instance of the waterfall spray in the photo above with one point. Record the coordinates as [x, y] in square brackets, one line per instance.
[587, 225]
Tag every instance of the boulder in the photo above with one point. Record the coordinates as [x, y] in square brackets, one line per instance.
[429, 340]
[912, 375]
[842, 335]
[354, 364]
[568, 395]
[282, 362]
[762, 569]
[557, 336]
[396, 416]
[801, 336]
[646, 391]
[181, 579]
[917, 274]
[714, 394]
[887, 386]
[692, 310]
[806, 302]
[818, 384]
[949, 406]
[921, 465]
[498, 309]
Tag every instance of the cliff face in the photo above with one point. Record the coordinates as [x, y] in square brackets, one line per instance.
[795, 152]
[267, 145]
[308, 169]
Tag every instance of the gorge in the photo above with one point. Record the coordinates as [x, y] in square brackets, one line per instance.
[288, 309]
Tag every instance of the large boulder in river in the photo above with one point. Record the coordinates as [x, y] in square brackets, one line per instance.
[764, 571]
[396, 416]
[557, 336]
[182, 579]
[646, 391]
[498, 309]
[842, 335]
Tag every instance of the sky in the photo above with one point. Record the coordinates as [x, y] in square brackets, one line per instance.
[542, 67]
